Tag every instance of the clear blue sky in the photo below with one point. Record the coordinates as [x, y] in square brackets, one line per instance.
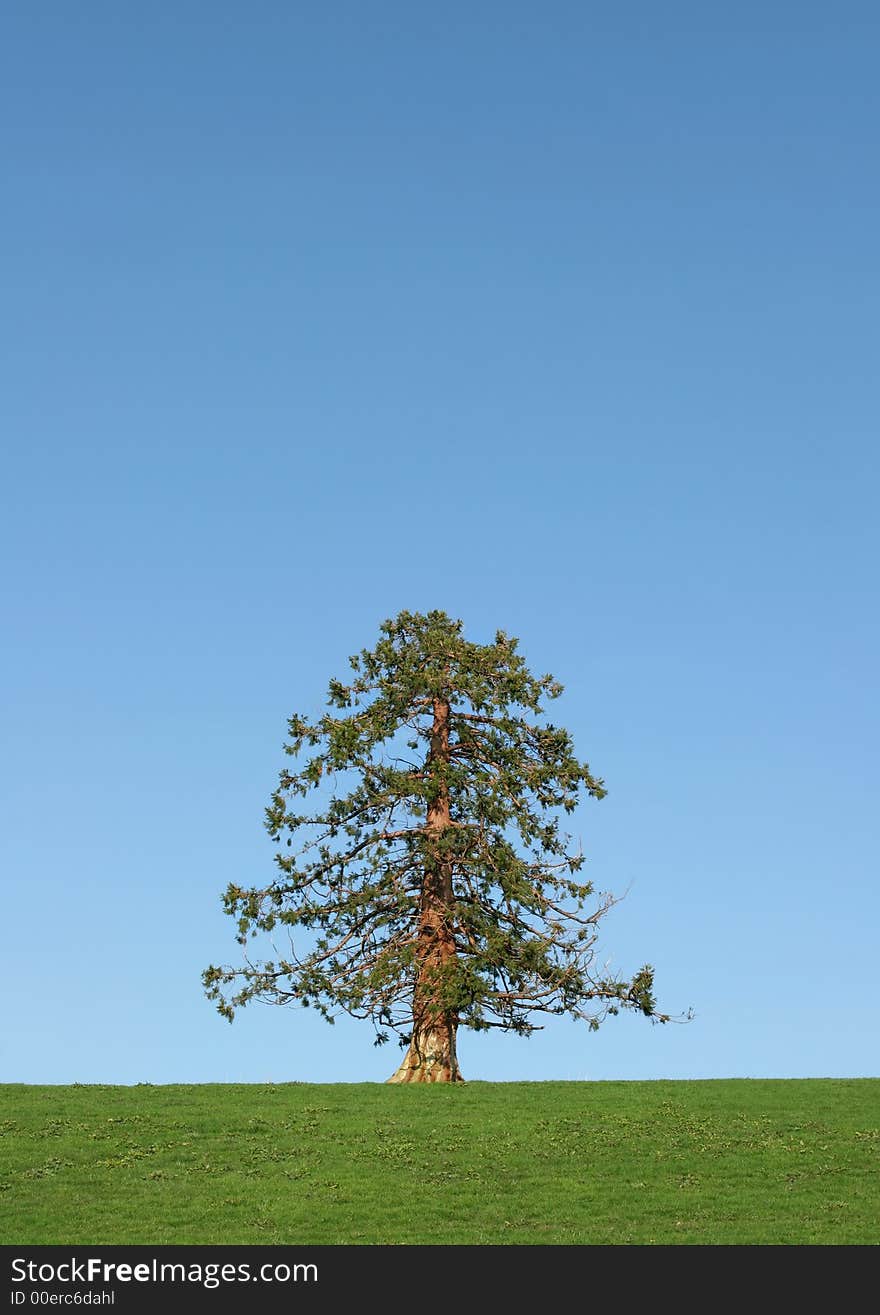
[560, 317]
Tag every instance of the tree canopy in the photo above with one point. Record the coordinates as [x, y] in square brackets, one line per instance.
[422, 874]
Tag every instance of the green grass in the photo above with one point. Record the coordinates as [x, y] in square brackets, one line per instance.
[554, 1162]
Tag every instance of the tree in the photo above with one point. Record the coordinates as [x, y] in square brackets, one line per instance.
[429, 887]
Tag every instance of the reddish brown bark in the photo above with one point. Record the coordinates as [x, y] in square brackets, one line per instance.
[431, 1056]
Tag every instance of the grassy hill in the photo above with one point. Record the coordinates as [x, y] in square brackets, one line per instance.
[554, 1162]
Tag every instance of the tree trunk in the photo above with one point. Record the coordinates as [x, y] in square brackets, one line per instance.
[431, 1056]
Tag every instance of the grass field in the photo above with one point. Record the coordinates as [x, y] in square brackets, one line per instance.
[554, 1162]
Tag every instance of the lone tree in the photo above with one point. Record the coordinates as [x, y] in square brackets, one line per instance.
[430, 887]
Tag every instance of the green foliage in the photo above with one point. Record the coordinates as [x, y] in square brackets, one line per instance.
[484, 1163]
[352, 821]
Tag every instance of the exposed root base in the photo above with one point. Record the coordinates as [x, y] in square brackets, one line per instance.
[424, 1073]
[436, 1065]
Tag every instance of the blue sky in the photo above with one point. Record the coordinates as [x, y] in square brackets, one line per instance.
[562, 318]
